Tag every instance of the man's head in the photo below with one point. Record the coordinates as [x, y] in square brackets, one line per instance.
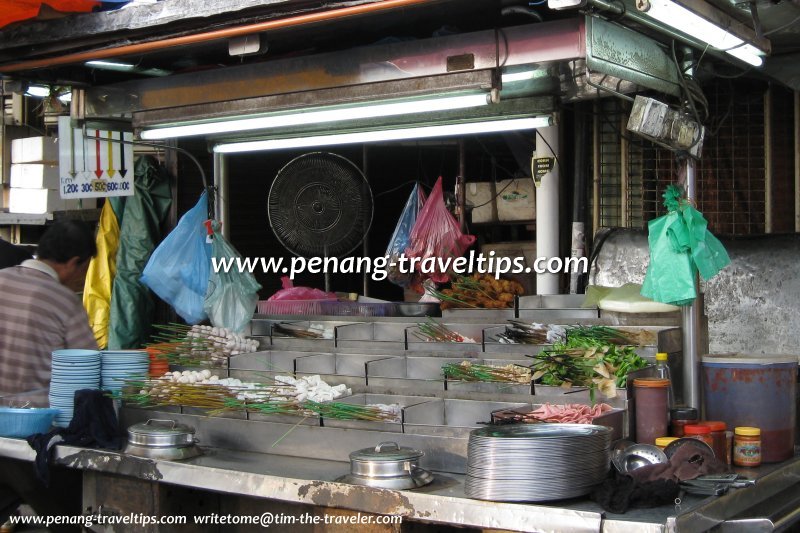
[68, 246]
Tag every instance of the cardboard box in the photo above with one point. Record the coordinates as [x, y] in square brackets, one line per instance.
[482, 194]
[35, 150]
[517, 201]
[39, 201]
[35, 176]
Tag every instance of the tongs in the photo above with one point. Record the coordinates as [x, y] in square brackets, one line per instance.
[715, 485]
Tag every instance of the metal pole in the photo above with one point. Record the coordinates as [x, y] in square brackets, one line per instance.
[797, 161]
[768, 160]
[547, 204]
[595, 170]
[365, 242]
[690, 315]
[223, 188]
[623, 183]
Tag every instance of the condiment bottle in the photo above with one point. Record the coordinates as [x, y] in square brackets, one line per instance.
[680, 417]
[662, 371]
[651, 396]
[719, 442]
[746, 446]
[663, 442]
[696, 431]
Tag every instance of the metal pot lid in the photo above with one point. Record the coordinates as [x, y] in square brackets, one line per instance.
[160, 428]
[386, 451]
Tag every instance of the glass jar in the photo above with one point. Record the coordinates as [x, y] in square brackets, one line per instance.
[718, 439]
[696, 431]
[680, 417]
[651, 397]
[746, 446]
[663, 442]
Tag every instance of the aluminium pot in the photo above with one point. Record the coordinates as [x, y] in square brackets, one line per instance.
[162, 439]
[388, 466]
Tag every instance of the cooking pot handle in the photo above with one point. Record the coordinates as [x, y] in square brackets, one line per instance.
[379, 447]
[159, 420]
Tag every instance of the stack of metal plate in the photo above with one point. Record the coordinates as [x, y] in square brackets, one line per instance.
[536, 462]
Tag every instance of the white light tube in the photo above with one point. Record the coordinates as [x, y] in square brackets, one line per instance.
[38, 91]
[520, 76]
[692, 24]
[319, 116]
[492, 126]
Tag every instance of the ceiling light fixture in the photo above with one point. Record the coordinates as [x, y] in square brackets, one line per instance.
[38, 91]
[317, 116]
[422, 132]
[686, 21]
[127, 67]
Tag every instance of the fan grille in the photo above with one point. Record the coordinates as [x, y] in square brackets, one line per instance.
[320, 204]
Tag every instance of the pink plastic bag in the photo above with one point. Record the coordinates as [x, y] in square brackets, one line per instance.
[290, 292]
[437, 234]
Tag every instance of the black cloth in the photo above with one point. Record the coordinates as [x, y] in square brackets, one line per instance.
[12, 255]
[657, 484]
[94, 423]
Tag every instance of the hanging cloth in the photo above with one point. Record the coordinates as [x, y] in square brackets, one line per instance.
[102, 270]
[132, 305]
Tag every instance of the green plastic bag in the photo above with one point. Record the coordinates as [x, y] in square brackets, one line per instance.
[680, 247]
[232, 296]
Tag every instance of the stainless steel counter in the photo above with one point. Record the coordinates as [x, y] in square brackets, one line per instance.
[312, 481]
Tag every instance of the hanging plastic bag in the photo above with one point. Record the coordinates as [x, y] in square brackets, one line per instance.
[402, 235]
[179, 268]
[436, 235]
[232, 295]
[680, 246]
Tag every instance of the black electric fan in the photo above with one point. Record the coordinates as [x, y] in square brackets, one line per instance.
[320, 205]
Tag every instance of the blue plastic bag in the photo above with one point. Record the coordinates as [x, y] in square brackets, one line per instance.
[179, 268]
[232, 296]
[401, 236]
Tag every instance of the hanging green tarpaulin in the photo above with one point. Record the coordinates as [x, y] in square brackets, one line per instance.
[132, 303]
[680, 247]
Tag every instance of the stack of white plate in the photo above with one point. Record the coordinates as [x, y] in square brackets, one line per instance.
[122, 365]
[536, 462]
[72, 370]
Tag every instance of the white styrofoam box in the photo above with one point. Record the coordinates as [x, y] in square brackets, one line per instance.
[523, 249]
[35, 176]
[35, 150]
[517, 201]
[482, 194]
[38, 201]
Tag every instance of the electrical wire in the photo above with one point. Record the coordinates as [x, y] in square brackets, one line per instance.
[393, 189]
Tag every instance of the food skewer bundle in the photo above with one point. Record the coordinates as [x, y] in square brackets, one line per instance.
[479, 291]
[229, 394]
[433, 331]
[520, 332]
[199, 345]
[467, 371]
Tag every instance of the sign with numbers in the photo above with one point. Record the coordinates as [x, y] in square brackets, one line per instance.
[93, 165]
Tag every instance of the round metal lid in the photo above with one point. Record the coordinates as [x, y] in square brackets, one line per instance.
[386, 451]
[160, 428]
[750, 359]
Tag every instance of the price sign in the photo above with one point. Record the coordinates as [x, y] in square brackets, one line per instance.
[541, 166]
[95, 165]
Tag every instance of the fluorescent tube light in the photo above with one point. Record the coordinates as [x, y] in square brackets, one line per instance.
[692, 24]
[519, 76]
[317, 116]
[447, 130]
[38, 91]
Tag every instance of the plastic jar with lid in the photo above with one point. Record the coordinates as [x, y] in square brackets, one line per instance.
[651, 397]
[719, 443]
[680, 417]
[663, 442]
[703, 433]
[747, 446]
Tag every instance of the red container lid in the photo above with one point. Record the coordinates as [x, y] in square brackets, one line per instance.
[715, 425]
[696, 429]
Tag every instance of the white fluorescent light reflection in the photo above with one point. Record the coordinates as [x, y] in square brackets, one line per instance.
[319, 116]
[493, 126]
[38, 91]
[110, 65]
[690, 23]
[518, 76]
